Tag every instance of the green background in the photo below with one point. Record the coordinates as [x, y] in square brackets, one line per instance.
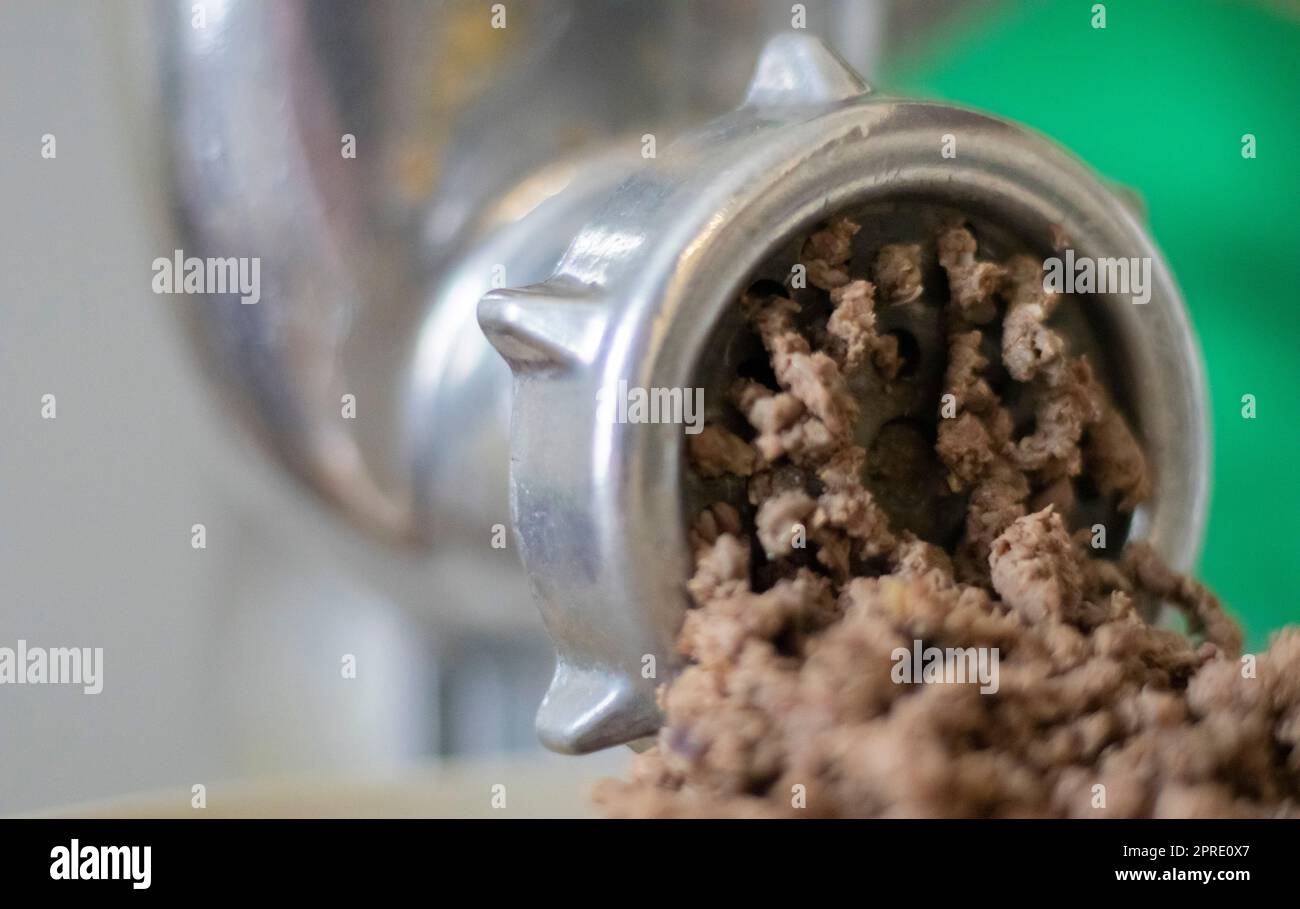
[1159, 100]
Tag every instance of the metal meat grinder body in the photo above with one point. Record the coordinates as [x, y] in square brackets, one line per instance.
[652, 252]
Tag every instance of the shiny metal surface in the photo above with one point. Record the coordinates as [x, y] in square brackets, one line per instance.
[479, 151]
[597, 504]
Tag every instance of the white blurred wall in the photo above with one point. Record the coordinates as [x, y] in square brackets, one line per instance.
[218, 663]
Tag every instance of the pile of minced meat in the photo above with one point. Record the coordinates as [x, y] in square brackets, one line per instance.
[788, 705]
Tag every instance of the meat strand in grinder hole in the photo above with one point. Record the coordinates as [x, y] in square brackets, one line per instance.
[788, 706]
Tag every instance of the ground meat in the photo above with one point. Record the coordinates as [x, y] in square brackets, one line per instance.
[767, 483]
[1116, 461]
[778, 520]
[1068, 403]
[720, 568]
[1028, 344]
[995, 502]
[1201, 607]
[813, 378]
[972, 283]
[852, 331]
[897, 271]
[715, 451]
[826, 252]
[854, 511]
[966, 447]
[974, 440]
[777, 417]
[1035, 568]
[964, 378]
[792, 705]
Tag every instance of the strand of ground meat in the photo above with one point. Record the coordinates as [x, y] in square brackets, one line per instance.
[976, 443]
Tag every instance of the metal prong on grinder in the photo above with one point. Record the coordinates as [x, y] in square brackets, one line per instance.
[798, 69]
[542, 327]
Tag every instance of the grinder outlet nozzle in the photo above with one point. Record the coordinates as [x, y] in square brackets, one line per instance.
[645, 297]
